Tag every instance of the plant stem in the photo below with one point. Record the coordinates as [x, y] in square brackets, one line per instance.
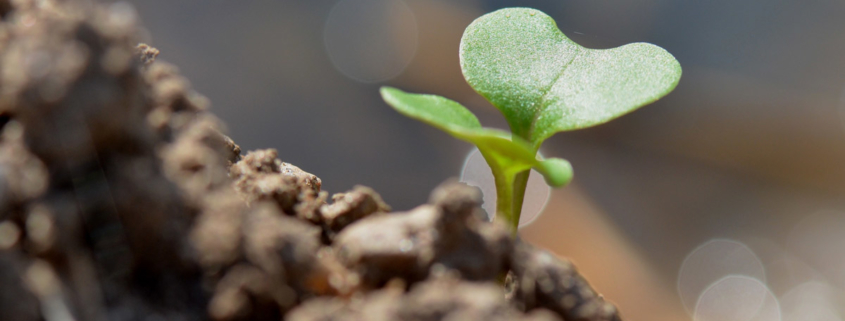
[520, 183]
[504, 200]
[510, 192]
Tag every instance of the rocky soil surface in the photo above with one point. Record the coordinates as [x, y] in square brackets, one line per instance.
[121, 199]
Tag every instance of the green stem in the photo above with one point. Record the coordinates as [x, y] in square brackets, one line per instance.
[504, 192]
[504, 200]
[520, 182]
[510, 191]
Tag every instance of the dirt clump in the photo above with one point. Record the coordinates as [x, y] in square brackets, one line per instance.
[449, 233]
[443, 298]
[539, 279]
[346, 208]
[121, 198]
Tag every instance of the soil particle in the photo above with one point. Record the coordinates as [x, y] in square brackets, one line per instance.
[309, 206]
[281, 245]
[247, 293]
[199, 159]
[381, 305]
[542, 280]
[442, 298]
[9, 234]
[261, 176]
[351, 206]
[23, 177]
[448, 233]
[216, 235]
[147, 53]
[477, 249]
[382, 247]
[451, 299]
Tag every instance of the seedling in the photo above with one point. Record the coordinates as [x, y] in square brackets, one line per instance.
[543, 83]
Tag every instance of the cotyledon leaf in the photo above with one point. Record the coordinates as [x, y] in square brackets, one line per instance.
[544, 83]
[437, 111]
[504, 153]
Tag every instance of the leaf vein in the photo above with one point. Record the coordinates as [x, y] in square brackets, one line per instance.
[542, 101]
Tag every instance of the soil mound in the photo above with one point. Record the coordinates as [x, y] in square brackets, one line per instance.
[121, 199]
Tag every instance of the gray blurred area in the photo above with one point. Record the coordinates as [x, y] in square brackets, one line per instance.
[749, 144]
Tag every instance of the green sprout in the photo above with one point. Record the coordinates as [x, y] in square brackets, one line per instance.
[543, 83]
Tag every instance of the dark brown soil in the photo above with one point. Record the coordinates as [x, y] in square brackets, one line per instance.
[120, 199]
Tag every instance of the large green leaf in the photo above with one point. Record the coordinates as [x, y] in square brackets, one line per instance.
[544, 83]
[505, 154]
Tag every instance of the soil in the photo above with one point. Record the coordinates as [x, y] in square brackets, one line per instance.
[121, 199]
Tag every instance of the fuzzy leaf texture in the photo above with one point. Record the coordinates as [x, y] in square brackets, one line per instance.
[545, 83]
[505, 154]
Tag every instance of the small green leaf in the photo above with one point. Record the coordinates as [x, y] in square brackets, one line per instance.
[544, 83]
[431, 109]
[505, 154]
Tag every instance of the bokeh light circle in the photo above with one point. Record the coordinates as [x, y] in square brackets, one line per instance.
[371, 40]
[737, 298]
[819, 240]
[812, 301]
[713, 261]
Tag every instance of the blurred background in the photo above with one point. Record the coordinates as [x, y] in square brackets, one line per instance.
[722, 201]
